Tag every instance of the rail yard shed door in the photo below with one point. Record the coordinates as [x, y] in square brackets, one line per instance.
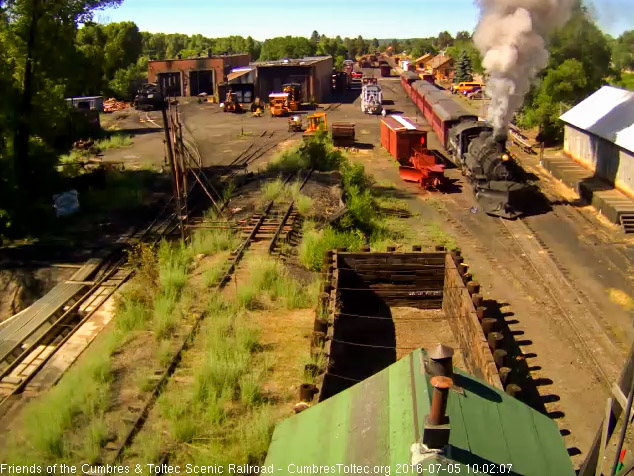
[171, 83]
[201, 82]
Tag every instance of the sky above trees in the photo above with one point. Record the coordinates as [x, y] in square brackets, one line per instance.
[369, 18]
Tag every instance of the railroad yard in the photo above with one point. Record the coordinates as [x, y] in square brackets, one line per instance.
[555, 283]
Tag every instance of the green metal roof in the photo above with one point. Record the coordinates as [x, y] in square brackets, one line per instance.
[376, 422]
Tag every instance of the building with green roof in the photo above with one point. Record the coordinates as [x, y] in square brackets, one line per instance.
[377, 427]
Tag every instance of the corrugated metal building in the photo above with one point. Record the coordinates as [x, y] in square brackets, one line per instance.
[376, 427]
[599, 134]
[313, 73]
[192, 76]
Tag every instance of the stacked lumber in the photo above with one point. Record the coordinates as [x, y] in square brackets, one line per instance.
[112, 105]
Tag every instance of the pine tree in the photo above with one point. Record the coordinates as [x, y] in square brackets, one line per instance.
[463, 69]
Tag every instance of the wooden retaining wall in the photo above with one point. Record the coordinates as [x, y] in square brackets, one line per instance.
[460, 311]
[399, 279]
[353, 326]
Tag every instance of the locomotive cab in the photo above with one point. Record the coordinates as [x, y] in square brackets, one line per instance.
[461, 135]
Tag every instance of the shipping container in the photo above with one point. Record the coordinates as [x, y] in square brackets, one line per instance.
[400, 136]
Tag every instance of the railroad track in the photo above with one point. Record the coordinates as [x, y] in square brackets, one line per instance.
[567, 306]
[258, 227]
[332, 107]
[72, 307]
[590, 339]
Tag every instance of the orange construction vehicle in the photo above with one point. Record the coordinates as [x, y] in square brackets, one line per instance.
[316, 121]
[278, 104]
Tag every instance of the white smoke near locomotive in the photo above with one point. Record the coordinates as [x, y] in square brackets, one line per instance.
[512, 37]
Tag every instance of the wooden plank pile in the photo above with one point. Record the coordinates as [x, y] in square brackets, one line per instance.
[112, 105]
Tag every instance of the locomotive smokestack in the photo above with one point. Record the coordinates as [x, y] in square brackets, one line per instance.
[512, 36]
[500, 140]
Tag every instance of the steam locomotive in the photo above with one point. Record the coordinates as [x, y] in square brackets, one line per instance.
[499, 183]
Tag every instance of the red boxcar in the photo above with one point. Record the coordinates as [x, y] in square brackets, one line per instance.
[401, 136]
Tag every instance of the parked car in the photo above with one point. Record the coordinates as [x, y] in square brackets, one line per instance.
[466, 87]
[477, 94]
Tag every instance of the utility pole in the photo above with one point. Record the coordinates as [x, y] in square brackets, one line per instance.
[172, 163]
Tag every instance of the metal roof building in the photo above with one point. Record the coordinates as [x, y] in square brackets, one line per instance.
[312, 73]
[599, 134]
[376, 426]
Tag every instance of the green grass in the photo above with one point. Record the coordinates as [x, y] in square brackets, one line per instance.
[94, 440]
[166, 315]
[70, 165]
[270, 285]
[148, 446]
[130, 313]
[82, 395]
[173, 267]
[320, 361]
[272, 190]
[114, 142]
[211, 241]
[124, 190]
[212, 276]
[434, 234]
[226, 383]
[277, 190]
[303, 203]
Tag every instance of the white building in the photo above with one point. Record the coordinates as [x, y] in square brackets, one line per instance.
[599, 134]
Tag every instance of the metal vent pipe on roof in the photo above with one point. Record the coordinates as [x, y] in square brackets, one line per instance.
[437, 429]
[441, 361]
[437, 412]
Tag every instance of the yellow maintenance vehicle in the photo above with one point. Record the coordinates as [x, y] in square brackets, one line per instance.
[316, 121]
[231, 103]
[278, 104]
[294, 91]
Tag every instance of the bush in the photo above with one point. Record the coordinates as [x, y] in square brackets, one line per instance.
[315, 244]
[317, 152]
[114, 142]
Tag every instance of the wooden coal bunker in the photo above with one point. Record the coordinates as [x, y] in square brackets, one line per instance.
[377, 307]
